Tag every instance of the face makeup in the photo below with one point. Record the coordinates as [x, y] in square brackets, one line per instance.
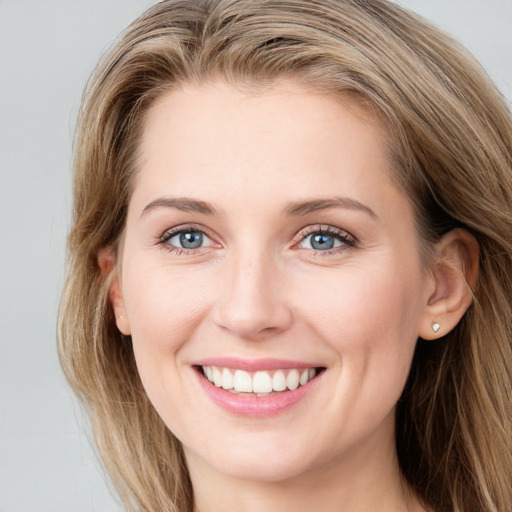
[271, 281]
[256, 387]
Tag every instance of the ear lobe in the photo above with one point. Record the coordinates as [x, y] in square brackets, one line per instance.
[107, 264]
[455, 274]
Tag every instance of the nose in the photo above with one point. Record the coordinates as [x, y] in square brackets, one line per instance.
[252, 301]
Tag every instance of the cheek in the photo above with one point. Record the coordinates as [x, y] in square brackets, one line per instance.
[164, 310]
[369, 317]
[164, 307]
[357, 303]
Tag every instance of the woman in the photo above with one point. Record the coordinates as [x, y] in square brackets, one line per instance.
[289, 264]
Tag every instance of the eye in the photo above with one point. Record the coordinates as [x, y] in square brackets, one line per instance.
[325, 239]
[187, 239]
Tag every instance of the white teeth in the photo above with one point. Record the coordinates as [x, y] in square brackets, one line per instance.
[262, 383]
[304, 376]
[227, 379]
[292, 380]
[217, 377]
[279, 381]
[242, 382]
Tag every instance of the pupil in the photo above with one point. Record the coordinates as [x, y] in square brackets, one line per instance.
[191, 240]
[322, 242]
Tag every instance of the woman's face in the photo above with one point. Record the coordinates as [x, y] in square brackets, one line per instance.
[267, 248]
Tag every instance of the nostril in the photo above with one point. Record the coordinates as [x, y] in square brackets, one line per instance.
[254, 321]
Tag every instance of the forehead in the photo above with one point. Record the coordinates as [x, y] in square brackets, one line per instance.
[285, 133]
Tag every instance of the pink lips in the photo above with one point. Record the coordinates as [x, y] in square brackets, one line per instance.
[251, 405]
[253, 365]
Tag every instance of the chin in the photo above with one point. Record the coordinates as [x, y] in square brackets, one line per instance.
[263, 470]
[270, 460]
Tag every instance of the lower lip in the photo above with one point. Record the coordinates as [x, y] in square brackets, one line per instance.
[256, 406]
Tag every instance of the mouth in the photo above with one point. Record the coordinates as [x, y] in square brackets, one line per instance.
[257, 388]
[261, 383]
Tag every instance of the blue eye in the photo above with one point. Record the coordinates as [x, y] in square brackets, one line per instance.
[188, 239]
[326, 239]
[321, 242]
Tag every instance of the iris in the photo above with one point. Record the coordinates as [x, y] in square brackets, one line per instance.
[191, 239]
[322, 241]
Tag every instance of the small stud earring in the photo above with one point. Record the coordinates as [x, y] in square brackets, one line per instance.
[436, 327]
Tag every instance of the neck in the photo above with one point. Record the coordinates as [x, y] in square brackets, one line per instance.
[368, 481]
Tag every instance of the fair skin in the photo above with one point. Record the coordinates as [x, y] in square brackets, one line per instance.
[305, 256]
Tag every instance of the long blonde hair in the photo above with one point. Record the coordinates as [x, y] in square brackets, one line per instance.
[452, 146]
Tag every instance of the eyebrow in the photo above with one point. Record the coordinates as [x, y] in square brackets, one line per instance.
[297, 208]
[181, 203]
[315, 205]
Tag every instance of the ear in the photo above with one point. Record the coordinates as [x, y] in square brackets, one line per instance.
[454, 273]
[107, 264]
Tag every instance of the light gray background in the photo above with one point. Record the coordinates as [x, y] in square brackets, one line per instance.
[47, 50]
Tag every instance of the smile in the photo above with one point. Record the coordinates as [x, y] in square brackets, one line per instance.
[261, 383]
[257, 388]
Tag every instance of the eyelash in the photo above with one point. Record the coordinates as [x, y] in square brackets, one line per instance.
[347, 240]
[169, 234]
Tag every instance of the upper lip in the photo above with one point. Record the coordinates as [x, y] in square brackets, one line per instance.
[253, 365]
